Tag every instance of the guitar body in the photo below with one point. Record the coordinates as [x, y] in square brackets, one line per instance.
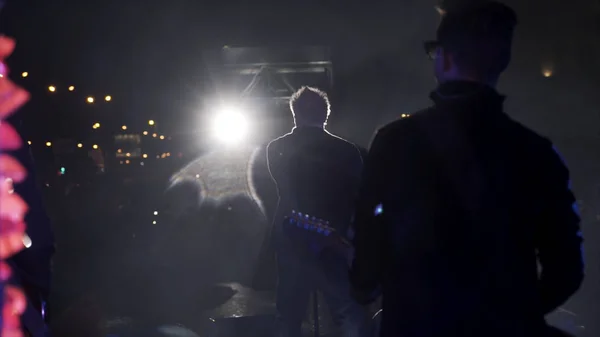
[313, 236]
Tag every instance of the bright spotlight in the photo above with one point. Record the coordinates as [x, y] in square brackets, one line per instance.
[230, 126]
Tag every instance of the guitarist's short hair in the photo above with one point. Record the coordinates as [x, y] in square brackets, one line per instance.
[310, 106]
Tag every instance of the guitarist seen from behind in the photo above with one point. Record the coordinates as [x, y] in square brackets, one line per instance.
[316, 173]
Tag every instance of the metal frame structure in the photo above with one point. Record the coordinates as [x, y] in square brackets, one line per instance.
[269, 74]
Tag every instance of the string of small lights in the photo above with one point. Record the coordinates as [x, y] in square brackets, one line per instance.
[91, 100]
[71, 88]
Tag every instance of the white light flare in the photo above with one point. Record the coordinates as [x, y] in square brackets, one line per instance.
[230, 126]
[27, 241]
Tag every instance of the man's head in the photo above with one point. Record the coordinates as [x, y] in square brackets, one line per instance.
[310, 107]
[473, 42]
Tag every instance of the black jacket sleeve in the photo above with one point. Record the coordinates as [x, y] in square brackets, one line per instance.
[367, 265]
[559, 239]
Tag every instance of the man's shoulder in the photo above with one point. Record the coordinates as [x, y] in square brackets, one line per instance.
[530, 140]
[279, 141]
[345, 146]
[335, 139]
[538, 151]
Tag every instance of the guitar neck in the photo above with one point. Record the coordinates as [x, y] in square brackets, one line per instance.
[321, 232]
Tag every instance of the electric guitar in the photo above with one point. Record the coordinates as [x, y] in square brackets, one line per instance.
[316, 235]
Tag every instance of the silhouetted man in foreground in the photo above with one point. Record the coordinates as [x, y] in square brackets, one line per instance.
[316, 173]
[460, 203]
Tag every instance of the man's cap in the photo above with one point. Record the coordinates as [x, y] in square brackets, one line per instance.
[488, 20]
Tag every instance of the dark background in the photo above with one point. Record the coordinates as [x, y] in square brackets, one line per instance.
[148, 56]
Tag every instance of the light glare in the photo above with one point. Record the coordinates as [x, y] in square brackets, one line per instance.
[230, 126]
[27, 241]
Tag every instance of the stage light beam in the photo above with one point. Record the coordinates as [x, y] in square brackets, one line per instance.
[230, 126]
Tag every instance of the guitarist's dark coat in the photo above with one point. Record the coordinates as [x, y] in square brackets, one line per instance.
[316, 172]
[472, 201]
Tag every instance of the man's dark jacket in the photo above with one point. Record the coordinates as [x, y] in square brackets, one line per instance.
[316, 173]
[471, 202]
